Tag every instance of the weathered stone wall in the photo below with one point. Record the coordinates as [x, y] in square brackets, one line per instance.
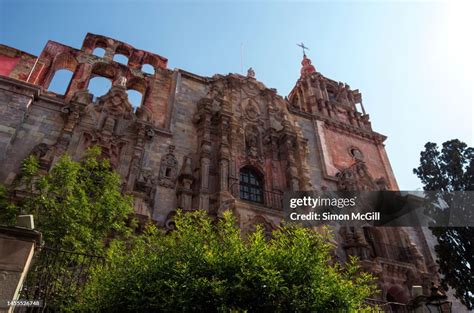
[188, 142]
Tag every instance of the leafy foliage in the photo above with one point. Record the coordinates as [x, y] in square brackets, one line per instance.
[445, 171]
[77, 205]
[7, 208]
[207, 266]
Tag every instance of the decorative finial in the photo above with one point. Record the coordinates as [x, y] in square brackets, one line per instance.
[303, 47]
[250, 73]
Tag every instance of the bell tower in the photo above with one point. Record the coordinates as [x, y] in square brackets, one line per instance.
[341, 125]
[351, 156]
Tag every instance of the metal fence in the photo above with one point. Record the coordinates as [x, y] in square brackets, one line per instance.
[55, 278]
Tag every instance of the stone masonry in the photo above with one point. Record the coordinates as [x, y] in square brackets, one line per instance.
[194, 139]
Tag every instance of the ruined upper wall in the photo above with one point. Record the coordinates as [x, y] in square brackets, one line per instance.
[15, 63]
[84, 65]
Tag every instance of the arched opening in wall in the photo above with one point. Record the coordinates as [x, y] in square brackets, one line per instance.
[120, 58]
[99, 86]
[60, 81]
[136, 89]
[148, 69]
[135, 98]
[251, 185]
[359, 107]
[99, 52]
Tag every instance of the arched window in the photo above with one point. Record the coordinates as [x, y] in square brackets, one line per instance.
[99, 86]
[120, 58]
[251, 185]
[60, 81]
[99, 52]
[148, 68]
[135, 98]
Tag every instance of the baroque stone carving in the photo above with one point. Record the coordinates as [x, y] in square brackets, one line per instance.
[111, 146]
[122, 81]
[145, 181]
[251, 111]
[185, 181]
[356, 177]
[252, 142]
[168, 169]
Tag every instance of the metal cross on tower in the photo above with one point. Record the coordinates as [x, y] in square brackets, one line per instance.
[303, 47]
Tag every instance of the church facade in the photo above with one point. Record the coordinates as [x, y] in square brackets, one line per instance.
[225, 142]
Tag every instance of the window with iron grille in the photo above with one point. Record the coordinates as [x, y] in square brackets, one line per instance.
[251, 186]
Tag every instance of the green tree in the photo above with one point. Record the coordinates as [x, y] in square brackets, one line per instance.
[445, 171]
[207, 266]
[76, 205]
[8, 210]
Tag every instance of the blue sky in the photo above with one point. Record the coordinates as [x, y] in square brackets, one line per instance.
[412, 61]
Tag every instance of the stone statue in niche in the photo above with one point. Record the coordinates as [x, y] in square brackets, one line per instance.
[168, 169]
[252, 142]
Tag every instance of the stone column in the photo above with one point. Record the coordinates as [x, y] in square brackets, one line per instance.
[303, 153]
[291, 170]
[185, 180]
[224, 153]
[144, 133]
[203, 120]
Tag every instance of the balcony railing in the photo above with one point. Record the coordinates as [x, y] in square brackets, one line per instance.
[268, 198]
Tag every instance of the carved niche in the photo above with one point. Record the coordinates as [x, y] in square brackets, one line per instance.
[168, 169]
[252, 142]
